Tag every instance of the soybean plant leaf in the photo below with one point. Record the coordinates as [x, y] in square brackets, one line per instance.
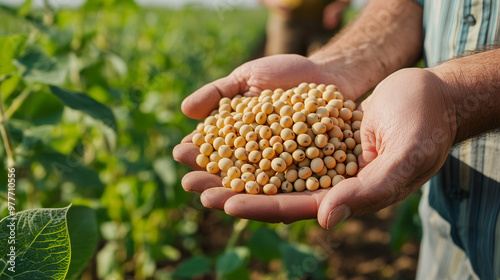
[87, 105]
[42, 245]
[265, 244]
[299, 260]
[9, 85]
[39, 67]
[406, 225]
[231, 260]
[192, 267]
[241, 273]
[69, 169]
[10, 48]
[40, 108]
[82, 227]
[34, 139]
[25, 8]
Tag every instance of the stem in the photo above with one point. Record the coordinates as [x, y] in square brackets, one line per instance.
[4, 130]
[16, 103]
[237, 230]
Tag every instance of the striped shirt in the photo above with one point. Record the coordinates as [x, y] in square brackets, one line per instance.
[464, 197]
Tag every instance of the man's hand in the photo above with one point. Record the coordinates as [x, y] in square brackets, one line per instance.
[285, 71]
[406, 135]
[405, 139]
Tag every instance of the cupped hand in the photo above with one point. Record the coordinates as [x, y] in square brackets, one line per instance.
[406, 136]
[279, 71]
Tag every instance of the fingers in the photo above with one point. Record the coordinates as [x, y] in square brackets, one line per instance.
[200, 181]
[216, 198]
[188, 138]
[186, 153]
[285, 208]
[199, 104]
[376, 186]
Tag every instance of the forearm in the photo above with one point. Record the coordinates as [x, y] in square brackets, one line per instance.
[472, 86]
[387, 36]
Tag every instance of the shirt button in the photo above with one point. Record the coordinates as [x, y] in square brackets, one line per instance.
[470, 20]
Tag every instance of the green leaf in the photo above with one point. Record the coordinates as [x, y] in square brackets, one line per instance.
[192, 267]
[25, 8]
[10, 48]
[69, 169]
[406, 225]
[232, 260]
[41, 68]
[9, 85]
[264, 244]
[42, 245]
[299, 260]
[34, 140]
[84, 103]
[82, 227]
[40, 108]
[241, 273]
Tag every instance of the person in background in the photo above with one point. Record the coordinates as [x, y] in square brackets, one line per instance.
[301, 26]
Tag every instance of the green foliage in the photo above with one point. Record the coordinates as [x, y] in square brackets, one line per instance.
[265, 244]
[87, 105]
[407, 224]
[82, 228]
[300, 261]
[39, 67]
[195, 266]
[10, 48]
[42, 244]
[231, 260]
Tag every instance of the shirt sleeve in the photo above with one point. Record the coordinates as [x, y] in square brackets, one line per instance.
[421, 2]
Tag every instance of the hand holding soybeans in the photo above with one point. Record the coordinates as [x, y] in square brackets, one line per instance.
[397, 118]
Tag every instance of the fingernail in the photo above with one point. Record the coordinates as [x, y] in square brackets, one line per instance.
[337, 215]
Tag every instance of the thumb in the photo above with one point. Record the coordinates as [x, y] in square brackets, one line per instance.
[377, 185]
[199, 104]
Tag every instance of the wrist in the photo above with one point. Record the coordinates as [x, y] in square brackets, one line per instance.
[471, 85]
[444, 82]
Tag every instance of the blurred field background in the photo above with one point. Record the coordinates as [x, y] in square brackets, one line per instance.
[140, 62]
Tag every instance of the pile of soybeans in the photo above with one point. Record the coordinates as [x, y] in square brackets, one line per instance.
[306, 137]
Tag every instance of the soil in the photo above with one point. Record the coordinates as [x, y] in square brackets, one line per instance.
[359, 249]
[363, 249]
